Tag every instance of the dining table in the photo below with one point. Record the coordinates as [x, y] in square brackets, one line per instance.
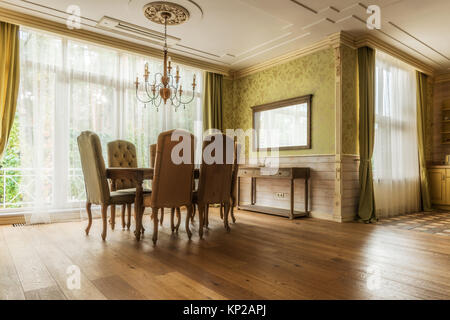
[138, 175]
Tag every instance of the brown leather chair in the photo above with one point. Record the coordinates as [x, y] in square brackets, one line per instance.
[122, 154]
[96, 183]
[172, 183]
[215, 181]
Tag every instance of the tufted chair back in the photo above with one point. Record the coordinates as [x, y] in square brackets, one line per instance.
[172, 183]
[122, 154]
[214, 184]
[93, 165]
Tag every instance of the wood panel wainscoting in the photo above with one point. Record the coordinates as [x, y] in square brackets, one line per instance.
[322, 202]
[350, 182]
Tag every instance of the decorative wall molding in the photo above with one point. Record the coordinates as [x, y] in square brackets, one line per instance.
[338, 129]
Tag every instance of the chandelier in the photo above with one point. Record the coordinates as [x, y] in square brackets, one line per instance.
[164, 86]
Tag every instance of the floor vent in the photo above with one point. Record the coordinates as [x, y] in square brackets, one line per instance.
[18, 224]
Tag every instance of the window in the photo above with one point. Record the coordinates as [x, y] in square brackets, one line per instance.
[67, 87]
[395, 158]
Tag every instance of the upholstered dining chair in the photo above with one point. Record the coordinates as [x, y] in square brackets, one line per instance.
[122, 154]
[152, 165]
[215, 180]
[172, 181]
[234, 176]
[233, 193]
[96, 183]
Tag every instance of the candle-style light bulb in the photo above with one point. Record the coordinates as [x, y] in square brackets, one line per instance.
[137, 82]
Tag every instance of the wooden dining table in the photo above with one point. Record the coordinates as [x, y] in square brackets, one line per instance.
[138, 175]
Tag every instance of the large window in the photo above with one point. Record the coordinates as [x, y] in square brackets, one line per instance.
[66, 87]
[395, 158]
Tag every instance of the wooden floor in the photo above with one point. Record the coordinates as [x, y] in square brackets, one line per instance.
[264, 257]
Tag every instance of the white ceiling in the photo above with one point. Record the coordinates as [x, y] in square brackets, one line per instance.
[242, 33]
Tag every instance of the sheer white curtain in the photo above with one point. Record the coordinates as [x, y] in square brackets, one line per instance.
[395, 158]
[67, 87]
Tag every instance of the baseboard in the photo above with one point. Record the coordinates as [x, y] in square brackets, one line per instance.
[12, 219]
[322, 215]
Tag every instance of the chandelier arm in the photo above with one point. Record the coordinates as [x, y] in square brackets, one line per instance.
[142, 100]
[150, 96]
[185, 102]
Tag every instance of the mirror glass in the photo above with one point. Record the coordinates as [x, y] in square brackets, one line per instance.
[283, 125]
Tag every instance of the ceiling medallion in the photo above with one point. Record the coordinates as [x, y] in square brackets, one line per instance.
[159, 10]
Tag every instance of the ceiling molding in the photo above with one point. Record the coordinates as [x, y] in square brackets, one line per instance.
[442, 78]
[333, 40]
[26, 20]
[376, 43]
[321, 45]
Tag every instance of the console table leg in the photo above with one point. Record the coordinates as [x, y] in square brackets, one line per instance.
[306, 195]
[291, 215]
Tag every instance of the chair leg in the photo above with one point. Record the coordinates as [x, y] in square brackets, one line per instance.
[104, 218]
[142, 214]
[172, 219]
[206, 218]
[123, 216]
[201, 213]
[179, 219]
[129, 216]
[112, 219]
[193, 212]
[221, 211]
[225, 215]
[188, 219]
[135, 218]
[155, 224]
[233, 203]
[162, 217]
[89, 213]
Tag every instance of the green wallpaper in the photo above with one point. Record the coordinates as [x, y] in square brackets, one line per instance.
[350, 144]
[311, 74]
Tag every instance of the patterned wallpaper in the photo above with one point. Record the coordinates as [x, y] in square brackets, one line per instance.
[350, 124]
[311, 74]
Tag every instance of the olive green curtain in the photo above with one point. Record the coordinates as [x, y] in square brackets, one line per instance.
[9, 79]
[422, 103]
[366, 74]
[212, 101]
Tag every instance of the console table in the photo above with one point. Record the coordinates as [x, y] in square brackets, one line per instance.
[271, 173]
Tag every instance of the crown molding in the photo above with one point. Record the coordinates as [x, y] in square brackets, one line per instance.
[335, 40]
[30, 21]
[445, 77]
[326, 43]
[376, 43]
[331, 41]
